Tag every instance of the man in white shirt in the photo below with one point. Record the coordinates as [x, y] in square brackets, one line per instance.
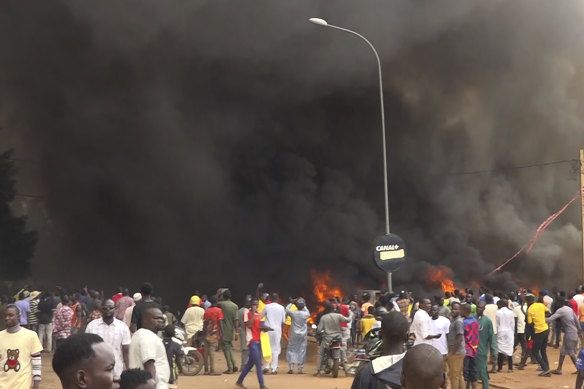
[147, 351]
[520, 333]
[421, 324]
[491, 312]
[113, 332]
[193, 318]
[275, 315]
[440, 325]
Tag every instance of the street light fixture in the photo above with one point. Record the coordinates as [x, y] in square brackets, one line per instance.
[322, 22]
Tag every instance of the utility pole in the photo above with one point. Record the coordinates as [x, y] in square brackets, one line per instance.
[582, 204]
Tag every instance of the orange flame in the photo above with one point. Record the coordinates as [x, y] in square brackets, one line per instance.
[439, 275]
[324, 288]
[534, 290]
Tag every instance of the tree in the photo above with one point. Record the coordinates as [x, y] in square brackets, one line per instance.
[16, 244]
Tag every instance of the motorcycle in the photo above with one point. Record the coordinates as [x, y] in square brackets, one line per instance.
[332, 356]
[191, 361]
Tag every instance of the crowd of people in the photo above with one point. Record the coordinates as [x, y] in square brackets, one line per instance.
[128, 339]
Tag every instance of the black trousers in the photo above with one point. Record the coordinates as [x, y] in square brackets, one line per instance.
[520, 340]
[540, 349]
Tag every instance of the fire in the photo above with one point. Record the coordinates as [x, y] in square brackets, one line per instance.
[324, 288]
[534, 290]
[439, 275]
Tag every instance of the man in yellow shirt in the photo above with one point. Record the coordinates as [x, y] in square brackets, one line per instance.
[536, 317]
[367, 322]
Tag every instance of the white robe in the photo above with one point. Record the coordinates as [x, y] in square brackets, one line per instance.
[505, 330]
[296, 350]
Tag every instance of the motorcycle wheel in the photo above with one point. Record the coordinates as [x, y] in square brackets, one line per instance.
[328, 365]
[335, 369]
[192, 363]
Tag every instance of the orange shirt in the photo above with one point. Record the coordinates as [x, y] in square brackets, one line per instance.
[365, 306]
[581, 312]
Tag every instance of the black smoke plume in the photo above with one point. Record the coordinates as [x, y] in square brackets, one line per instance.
[199, 144]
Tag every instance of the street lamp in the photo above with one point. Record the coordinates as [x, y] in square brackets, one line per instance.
[322, 22]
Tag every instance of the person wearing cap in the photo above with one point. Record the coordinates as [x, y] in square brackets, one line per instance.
[228, 326]
[193, 318]
[296, 350]
[137, 297]
[123, 303]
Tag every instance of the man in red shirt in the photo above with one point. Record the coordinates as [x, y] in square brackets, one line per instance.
[253, 328]
[212, 331]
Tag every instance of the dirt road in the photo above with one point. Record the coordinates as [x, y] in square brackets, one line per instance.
[526, 379]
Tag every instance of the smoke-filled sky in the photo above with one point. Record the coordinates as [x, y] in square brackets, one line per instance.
[199, 144]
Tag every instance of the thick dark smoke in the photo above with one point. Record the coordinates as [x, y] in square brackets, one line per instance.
[199, 144]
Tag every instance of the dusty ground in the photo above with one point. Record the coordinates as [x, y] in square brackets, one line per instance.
[526, 379]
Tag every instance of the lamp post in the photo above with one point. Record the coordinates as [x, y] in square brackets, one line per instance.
[322, 22]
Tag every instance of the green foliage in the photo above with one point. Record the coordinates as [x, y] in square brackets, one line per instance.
[16, 244]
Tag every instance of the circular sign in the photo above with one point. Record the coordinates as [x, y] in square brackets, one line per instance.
[389, 252]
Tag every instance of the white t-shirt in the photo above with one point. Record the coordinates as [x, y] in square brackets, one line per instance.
[491, 313]
[520, 319]
[193, 320]
[440, 326]
[421, 327]
[146, 345]
[579, 299]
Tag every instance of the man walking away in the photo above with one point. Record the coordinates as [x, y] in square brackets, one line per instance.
[571, 325]
[241, 315]
[122, 304]
[46, 308]
[536, 316]
[212, 332]
[62, 321]
[505, 335]
[275, 317]
[228, 325]
[297, 340]
[145, 303]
